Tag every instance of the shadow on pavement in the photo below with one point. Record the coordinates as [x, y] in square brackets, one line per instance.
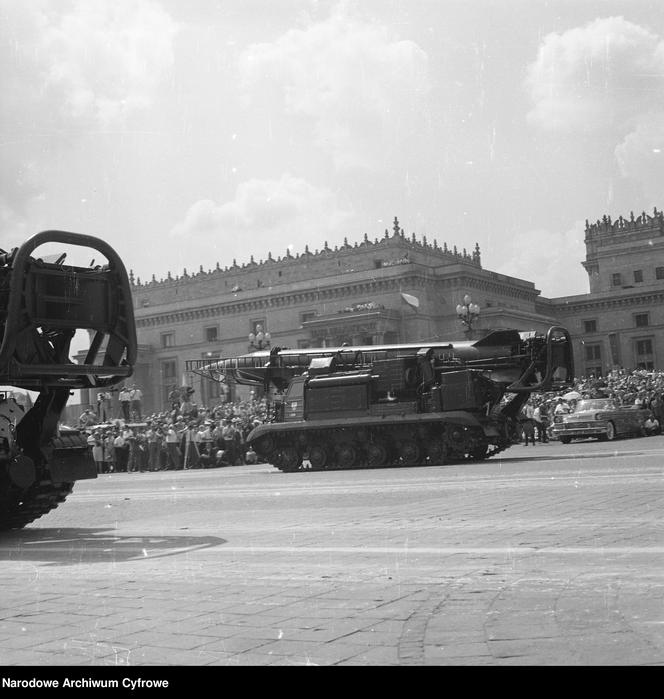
[72, 546]
[532, 455]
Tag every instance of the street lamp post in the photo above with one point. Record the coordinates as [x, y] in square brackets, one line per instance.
[259, 340]
[468, 313]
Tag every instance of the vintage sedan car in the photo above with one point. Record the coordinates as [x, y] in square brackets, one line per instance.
[603, 418]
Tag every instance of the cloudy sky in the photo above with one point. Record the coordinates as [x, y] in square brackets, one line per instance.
[188, 133]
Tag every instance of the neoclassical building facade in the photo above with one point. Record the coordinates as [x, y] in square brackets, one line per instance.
[397, 289]
[620, 322]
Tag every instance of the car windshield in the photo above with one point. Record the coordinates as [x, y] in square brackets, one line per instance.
[595, 404]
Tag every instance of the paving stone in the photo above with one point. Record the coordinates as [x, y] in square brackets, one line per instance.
[504, 564]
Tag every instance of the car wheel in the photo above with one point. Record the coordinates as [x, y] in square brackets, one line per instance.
[565, 440]
[610, 431]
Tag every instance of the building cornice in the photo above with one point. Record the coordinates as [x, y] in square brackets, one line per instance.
[574, 304]
[390, 280]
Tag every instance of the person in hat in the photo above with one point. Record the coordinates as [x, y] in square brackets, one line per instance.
[153, 438]
[651, 425]
[125, 402]
[191, 452]
[232, 438]
[104, 406]
[528, 423]
[98, 452]
[205, 435]
[135, 398]
[561, 407]
[109, 451]
[174, 454]
[121, 451]
[541, 420]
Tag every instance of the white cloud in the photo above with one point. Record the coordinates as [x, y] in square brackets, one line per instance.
[641, 156]
[552, 259]
[606, 79]
[264, 215]
[13, 227]
[596, 77]
[362, 88]
[91, 60]
[66, 66]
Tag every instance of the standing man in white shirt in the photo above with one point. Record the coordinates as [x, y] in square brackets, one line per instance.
[173, 438]
[136, 396]
[125, 403]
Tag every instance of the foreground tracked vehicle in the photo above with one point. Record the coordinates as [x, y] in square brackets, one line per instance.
[427, 403]
[42, 305]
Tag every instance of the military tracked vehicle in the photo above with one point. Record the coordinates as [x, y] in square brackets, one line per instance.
[42, 305]
[399, 405]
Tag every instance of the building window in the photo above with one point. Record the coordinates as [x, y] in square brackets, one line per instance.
[167, 339]
[212, 334]
[616, 279]
[378, 264]
[643, 352]
[253, 325]
[641, 320]
[594, 371]
[307, 316]
[589, 326]
[169, 370]
[303, 344]
[659, 272]
[644, 347]
[638, 275]
[593, 353]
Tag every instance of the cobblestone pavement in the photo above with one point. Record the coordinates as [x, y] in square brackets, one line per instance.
[551, 555]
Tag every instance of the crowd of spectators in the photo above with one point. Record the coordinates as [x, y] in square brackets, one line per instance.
[184, 436]
[189, 436]
[638, 387]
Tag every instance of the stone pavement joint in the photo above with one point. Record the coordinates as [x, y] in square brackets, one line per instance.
[510, 562]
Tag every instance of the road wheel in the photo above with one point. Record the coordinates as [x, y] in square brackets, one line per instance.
[318, 457]
[289, 459]
[409, 451]
[346, 455]
[565, 440]
[265, 446]
[610, 431]
[437, 452]
[376, 454]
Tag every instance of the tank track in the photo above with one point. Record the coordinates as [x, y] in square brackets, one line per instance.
[283, 458]
[18, 509]
[425, 442]
[287, 468]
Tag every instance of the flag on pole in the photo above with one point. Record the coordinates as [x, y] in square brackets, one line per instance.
[411, 300]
